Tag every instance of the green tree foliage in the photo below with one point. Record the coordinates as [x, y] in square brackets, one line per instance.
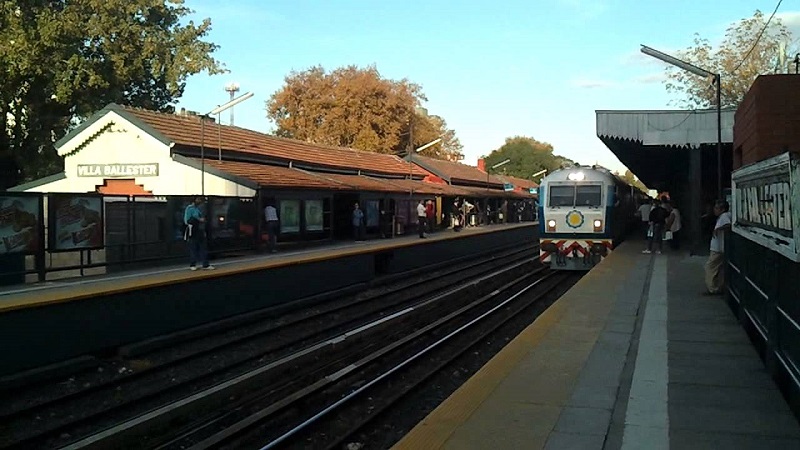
[528, 156]
[358, 108]
[737, 73]
[63, 60]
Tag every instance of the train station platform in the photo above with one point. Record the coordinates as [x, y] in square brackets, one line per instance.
[93, 314]
[632, 357]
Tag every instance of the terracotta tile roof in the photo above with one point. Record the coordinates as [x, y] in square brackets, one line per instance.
[274, 176]
[293, 178]
[456, 171]
[186, 131]
[519, 182]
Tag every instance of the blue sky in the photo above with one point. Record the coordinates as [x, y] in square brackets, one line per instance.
[492, 69]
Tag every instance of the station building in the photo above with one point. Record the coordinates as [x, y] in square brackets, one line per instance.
[148, 165]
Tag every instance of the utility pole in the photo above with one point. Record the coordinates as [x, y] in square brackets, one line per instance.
[232, 89]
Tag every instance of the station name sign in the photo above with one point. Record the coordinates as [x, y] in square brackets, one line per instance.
[118, 170]
[766, 204]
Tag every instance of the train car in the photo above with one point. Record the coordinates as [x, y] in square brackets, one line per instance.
[584, 212]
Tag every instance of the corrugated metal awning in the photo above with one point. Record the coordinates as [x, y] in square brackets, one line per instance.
[665, 128]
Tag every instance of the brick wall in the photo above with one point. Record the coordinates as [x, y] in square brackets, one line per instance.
[767, 122]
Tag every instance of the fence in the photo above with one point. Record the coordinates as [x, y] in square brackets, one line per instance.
[50, 236]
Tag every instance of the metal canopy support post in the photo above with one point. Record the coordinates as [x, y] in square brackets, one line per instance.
[202, 156]
[717, 80]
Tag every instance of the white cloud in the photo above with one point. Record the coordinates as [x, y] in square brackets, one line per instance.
[637, 58]
[587, 83]
[651, 78]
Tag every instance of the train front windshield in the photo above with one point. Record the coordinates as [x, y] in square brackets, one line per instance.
[583, 195]
[562, 195]
[591, 195]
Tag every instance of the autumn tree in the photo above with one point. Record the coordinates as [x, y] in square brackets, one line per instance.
[358, 108]
[61, 61]
[528, 156]
[743, 55]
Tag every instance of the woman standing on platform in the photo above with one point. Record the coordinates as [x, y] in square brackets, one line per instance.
[358, 221]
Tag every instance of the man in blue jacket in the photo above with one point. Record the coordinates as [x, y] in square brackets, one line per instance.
[195, 235]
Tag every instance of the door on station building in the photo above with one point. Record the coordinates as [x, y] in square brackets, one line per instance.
[343, 214]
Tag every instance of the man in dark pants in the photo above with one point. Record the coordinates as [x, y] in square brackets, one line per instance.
[271, 216]
[658, 218]
[195, 235]
[421, 218]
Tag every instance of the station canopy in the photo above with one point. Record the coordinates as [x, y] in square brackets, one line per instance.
[654, 145]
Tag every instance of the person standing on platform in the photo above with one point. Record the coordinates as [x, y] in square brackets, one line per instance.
[674, 226]
[358, 222]
[430, 215]
[271, 216]
[658, 218]
[644, 215]
[195, 235]
[421, 218]
[715, 271]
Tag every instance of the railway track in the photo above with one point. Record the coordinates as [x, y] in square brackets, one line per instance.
[345, 403]
[186, 372]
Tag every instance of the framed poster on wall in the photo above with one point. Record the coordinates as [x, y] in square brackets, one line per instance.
[76, 222]
[290, 216]
[313, 210]
[20, 223]
[373, 213]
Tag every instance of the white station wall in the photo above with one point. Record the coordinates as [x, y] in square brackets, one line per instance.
[114, 140]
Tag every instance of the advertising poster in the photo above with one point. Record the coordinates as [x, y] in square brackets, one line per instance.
[314, 215]
[290, 216]
[20, 223]
[76, 222]
[373, 213]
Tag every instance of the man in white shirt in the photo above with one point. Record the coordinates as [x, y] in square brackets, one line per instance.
[421, 218]
[715, 270]
[271, 216]
[644, 215]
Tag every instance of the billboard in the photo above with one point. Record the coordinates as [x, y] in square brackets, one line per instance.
[20, 223]
[76, 222]
[313, 210]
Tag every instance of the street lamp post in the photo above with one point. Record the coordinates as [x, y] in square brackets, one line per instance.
[501, 163]
[203, 118]
[541, 172]
[703, 73]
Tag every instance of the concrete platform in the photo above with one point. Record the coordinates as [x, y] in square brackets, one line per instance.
[632, 357]
[45, 324]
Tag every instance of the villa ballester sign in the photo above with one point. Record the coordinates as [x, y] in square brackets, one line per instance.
[118, 170]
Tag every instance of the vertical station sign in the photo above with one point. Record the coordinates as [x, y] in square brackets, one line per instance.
[766, 204]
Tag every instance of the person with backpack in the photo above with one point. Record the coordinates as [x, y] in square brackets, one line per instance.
[195, 235]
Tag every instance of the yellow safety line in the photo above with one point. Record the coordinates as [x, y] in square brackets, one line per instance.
[436, 429]
[60, 294]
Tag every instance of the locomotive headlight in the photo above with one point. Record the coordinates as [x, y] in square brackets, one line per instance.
[575, 176]
[598, 225]
[551, 225]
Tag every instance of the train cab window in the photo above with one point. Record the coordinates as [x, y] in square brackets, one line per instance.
[589, 195]
[562, 195]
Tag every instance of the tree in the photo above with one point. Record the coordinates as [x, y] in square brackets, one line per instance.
[738, 69]
[528, 156]
[60, 61]
[357, 108]
[633, 181]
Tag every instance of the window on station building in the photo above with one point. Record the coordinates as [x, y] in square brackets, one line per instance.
[562, 195]
[589, 195]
